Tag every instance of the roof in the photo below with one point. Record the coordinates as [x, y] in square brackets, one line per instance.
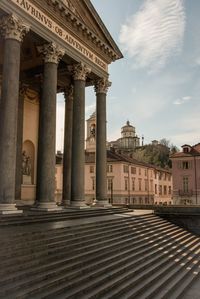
[194, 151]
[113, 156]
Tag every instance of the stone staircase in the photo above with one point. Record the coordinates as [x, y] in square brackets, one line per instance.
[118, 256]
[30, 216]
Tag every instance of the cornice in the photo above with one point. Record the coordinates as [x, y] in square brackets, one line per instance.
[74, 20]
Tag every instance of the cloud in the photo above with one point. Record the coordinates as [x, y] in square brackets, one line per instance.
[154, 33]
[182, 100]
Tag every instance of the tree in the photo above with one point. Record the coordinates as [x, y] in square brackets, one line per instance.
[156, 154]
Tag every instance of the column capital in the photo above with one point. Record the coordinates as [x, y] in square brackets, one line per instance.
[13, 28]
[69, 93]
[51, 52]
[102, 85]
[79, 71]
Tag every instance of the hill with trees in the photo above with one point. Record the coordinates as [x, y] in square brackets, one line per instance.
[157, 153]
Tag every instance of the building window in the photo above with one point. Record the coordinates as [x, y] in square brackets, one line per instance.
[110, 184]
[146, 185]
[165, 190]
[126, 184]
[133, 184]
[91, 169]
[155, 175]
[170, 190]
[185, 184]
[133, 170]
[160, 175]
[109, 168]
[126, 168]
[160, 190]
[93, 183]
[185, 165]
[156, 189]
[151, 185]
[186, 150]
[139, 171]
[145, 172]
[140, 184]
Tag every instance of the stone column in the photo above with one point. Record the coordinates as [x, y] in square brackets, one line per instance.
[18, 177]
[79, 72]
[67, 155]
[47, 129]
[101, 88]
[13, 31]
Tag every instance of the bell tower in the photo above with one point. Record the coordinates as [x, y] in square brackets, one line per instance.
[91, 133]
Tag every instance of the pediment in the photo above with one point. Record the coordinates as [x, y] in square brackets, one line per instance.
[86, 13]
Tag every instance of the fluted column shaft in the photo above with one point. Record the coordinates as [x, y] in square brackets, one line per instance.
[101, 87]
[47, 129]
[13, 31]
[67, 155]
[79, 73]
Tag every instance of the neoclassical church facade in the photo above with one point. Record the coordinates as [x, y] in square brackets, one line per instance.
[47, 47]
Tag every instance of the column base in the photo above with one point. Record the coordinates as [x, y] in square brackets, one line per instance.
[78, 204]
[6, 209]
[101, 203]
[66, 203]
[46, 206]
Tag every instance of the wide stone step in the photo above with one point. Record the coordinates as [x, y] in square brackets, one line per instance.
[62, 277]
[7, 236]
[15, 264]
[83, 285]
[33, 239]
[41, 252]
[74, 235]
[38, 217]
[114, 257]
[161, 282]
[134, 279]
[66, 265]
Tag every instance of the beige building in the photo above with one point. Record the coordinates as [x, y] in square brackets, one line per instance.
[129, 181]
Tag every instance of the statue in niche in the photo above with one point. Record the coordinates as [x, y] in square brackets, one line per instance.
[26, 164]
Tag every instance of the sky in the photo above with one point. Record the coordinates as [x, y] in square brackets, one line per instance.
[156, 86]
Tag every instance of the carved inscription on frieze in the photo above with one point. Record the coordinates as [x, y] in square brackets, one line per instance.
[46, 21]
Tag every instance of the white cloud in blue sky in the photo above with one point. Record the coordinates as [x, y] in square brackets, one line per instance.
[182, 100]
[154, 33]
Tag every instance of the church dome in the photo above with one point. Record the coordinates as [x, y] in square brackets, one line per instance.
[128, 130]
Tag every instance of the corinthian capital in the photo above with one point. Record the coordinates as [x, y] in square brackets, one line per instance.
[68, 93]
[13, 28]
[79, 71]
[101, 85]
[51, 52]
